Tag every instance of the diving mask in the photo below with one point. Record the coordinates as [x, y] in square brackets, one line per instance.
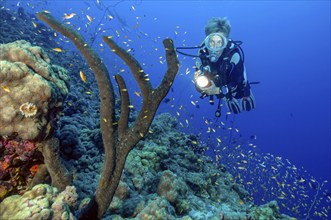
[215, 43]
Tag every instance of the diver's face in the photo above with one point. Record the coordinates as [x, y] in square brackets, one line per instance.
[215, 42]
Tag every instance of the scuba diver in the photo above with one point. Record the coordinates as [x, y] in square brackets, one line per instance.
[220, 69]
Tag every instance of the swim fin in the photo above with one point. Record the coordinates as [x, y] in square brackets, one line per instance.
[248, 103]
[233, 105]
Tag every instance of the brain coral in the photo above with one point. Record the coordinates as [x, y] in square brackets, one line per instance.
[31, 91]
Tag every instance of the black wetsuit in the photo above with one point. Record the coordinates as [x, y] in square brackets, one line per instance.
[224, 72]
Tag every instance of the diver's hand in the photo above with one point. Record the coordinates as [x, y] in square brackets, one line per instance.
[211, 90]
[196, 74]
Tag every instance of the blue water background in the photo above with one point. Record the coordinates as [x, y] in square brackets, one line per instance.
[287, 49]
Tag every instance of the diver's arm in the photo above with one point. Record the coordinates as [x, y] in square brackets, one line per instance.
[235, 58]
[201, 70]
[198, 64]
[237, 72]
[238, 84]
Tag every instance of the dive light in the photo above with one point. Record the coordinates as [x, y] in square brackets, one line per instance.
[203, 81]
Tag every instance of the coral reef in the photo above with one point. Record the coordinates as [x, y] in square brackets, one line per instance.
[164, 179]
[41, 202]
[165, 175]
[32, 95]
[174, 189]
[118, 138]
[32, 91]
[266, 211]
[17, 25]
[19, 162]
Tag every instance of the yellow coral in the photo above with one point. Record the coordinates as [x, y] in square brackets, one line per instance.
[28, 109]
[3, 191]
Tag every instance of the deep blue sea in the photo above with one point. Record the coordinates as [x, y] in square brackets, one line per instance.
[287, 49]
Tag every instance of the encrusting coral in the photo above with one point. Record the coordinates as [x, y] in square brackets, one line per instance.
[19, 162]
[41, 202]
[118, 137]
[32, 91]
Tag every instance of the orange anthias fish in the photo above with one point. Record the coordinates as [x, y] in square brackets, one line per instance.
[5, 88]
[57, 49]
[68, 16]
[34, 169]
[89, 18]
[4, 165]
[82, 76]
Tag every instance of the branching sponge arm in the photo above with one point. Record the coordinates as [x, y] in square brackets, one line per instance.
[59, 174]
[101, 74]
[172, 70]
[137, 71]
[151, 97]
[152, 102]
[125, 102]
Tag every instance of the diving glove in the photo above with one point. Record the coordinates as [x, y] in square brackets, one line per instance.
[212, 89]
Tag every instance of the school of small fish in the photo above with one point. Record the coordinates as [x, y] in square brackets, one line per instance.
[265, 176]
